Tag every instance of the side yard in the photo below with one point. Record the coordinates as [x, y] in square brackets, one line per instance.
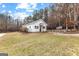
[17, 43]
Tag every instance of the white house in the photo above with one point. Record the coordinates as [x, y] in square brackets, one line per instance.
[36, 26]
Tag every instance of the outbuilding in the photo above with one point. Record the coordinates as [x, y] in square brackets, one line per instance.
[36, 26]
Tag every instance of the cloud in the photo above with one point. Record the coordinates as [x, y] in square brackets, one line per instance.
[3, 6]
[29, 7]
[9, 11]
[20, 15]
[29, 10]
[22, 6]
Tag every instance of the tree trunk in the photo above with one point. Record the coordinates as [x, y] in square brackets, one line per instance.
[66, 25]
[75, 16]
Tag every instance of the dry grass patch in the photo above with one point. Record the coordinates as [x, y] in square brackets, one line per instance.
[17, 43]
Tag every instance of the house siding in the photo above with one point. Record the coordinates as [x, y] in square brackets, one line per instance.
[31, 27]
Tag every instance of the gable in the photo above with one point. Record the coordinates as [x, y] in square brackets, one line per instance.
[38, 21]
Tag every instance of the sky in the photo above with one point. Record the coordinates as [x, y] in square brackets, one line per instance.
[21, 10]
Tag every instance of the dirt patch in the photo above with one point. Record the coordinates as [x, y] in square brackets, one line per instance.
[63, 34]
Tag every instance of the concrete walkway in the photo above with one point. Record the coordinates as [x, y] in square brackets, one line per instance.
[2, 34]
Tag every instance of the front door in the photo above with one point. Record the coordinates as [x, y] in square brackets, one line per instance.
[40, 29]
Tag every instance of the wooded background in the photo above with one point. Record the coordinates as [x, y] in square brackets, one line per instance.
[58, 14]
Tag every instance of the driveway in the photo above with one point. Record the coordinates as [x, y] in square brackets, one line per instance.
[2, 34]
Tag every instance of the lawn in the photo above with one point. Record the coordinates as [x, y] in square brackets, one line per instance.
[39, 44]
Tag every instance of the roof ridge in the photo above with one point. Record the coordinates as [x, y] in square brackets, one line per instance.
[34, 21]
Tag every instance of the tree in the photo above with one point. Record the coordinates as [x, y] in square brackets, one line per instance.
[45, 15]
[35, 15]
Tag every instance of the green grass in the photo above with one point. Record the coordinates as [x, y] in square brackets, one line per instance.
[39, 44]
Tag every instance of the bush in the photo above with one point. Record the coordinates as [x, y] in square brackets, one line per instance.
[23, 29]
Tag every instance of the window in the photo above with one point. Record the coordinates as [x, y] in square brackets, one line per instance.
[30, 27]
[36, 27]
[43, 27]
